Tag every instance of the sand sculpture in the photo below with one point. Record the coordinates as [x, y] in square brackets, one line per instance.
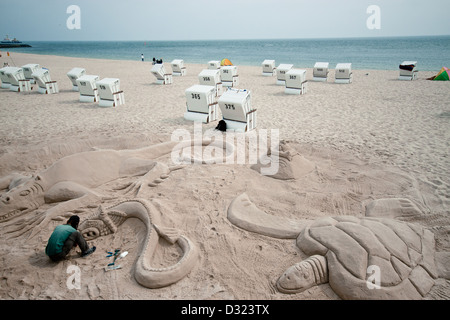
[291, 164]
[70, 181]
[342, 248]
[105, 222]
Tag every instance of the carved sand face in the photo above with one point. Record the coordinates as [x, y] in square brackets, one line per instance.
[91, 229]
[21, 200]
[297, 278]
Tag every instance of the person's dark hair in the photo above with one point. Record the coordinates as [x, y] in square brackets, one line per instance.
[74, 221]
[222, 126]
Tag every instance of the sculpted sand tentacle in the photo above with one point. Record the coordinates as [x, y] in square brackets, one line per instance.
[107, 221]
[343, 248]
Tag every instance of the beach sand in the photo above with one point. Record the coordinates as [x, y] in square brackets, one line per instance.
[373, 139]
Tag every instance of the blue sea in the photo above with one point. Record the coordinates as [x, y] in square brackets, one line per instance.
[432, 52]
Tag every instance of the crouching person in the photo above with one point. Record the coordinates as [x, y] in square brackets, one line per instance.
[64, 238]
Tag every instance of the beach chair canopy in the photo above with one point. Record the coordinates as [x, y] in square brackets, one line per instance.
[408, 65]
[443, 75]
[225, 62]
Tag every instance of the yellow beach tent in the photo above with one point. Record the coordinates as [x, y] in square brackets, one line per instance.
[226, 62]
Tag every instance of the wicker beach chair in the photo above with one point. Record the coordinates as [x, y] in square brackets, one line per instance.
[211, 77]
[296, 81]
[178, 68]
[109, 92]
[28, 70]
[229, 76]
[408, 70]
[344, 73]
[281, 73]
[44, 81]
[74, 74]
[268, 68]
[320, 71]
[162, 77]
[87, 86]
[201, 104]
[237, 110]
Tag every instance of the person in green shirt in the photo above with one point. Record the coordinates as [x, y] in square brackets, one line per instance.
[64, 238]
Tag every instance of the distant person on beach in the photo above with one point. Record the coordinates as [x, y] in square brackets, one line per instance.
[142, 57]
[64, 238]
[154, 60]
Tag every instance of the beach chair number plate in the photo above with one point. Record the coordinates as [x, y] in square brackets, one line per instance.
[229, 106]
[206, 79]
[195, 96]
[292, 77]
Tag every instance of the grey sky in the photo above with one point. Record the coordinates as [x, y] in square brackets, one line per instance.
[224, 19]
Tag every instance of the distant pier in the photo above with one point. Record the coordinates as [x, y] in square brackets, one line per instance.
[14, 45]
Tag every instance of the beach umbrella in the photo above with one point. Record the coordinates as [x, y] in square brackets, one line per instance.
[226, 62]
[443, 75]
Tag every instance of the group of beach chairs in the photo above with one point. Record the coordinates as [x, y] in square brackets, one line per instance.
[216, 89]
[105, 91]
[21, 79]
[294, 79]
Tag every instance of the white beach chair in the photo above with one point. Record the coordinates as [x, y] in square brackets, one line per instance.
[229, 76]
[6, 82]
[44, 81]
[320, 71]
[344, 73]
[162, 77]
[237, 110]
[178, 68]
[28, 70]
[281, 73]
[109, 92]
[268, 68]
[296, 81]
[210, 77]
[408, 70]
[17, 80]
[213, 64]
[87, 86]
[74, 74]
[201, 104]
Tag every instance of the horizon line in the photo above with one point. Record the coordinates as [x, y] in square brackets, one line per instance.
[249, 39]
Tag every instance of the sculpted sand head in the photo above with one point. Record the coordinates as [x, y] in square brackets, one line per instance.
[101, 223]
[22, 199]
[303, 275]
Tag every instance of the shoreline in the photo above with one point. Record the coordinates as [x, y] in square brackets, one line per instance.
[116, 50]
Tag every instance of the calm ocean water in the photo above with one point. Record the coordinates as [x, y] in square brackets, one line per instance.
[432, 53]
